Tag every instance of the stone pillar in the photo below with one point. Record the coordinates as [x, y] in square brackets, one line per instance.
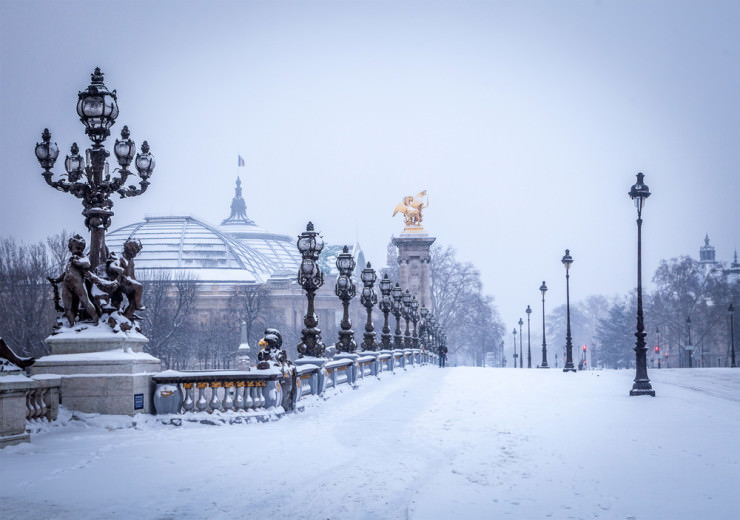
[414, 262]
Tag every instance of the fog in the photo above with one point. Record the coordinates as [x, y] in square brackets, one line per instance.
[526, 123]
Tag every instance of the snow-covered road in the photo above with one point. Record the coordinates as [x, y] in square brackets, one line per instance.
[429, 443]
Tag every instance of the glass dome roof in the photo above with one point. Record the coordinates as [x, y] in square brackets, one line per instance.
[187, 245]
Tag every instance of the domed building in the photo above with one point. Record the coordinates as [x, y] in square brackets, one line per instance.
[232, 266]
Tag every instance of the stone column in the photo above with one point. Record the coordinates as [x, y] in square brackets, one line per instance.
[414, 262]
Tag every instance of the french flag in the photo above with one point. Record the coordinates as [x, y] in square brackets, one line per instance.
[241, 161]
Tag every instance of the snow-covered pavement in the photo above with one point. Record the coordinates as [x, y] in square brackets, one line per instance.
[429, 443]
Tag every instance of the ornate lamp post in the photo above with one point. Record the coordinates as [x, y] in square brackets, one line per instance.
[529, 349]
[543, 290]
[567, 261]
[424, 314]
[406, 310]
[432, 333]
[397, 295]
[345, 290]
[414, 315]
[310, 278]
[368, 299]
[731, 310]
[89, 178]
[641, 386]
[386, 305]
[521, 355]
[515, 354]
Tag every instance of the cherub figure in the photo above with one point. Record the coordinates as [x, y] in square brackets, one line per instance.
[74, 290]
[121, 269]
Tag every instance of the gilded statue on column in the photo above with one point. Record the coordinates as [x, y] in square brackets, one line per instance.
[411, 208]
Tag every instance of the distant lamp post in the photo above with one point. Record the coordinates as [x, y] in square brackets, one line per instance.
[368, 298]
[89, 178]
[310, 278]
[567, 261]
[515, 354]
[521, 356]
[386, 306]
[406, 300]
[690, 345]
[641, 386]
[424, 315]
[543, 290]
[731, 310]
[397, 294]
[414, 315]
[345, 290]
[529, 346]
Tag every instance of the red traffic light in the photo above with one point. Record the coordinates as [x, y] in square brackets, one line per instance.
[657, 350]
[584, 348]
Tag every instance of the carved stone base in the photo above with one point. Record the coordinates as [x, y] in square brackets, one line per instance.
[114, 379]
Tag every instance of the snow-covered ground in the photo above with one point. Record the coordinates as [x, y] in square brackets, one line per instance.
[430, 443]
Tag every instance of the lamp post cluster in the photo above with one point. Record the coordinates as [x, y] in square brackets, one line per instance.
[89, 178]
[421, 328]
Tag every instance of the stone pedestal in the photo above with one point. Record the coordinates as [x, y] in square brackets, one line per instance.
[414, 265]
[102, 372]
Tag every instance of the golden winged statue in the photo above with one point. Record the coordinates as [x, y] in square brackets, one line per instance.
[411, 207]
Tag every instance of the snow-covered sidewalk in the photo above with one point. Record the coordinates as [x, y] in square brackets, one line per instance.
[429, 443]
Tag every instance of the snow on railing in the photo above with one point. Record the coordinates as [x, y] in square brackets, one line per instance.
[181, 392]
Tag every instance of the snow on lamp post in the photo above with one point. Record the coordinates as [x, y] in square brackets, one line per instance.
[543, 290]
[568, 367]
[641, 386]
[414, 315]
[345, 290]
[310, 278]
[89, 178]
[397, 295]
[368, 298]
[406, 310]
[386, 306]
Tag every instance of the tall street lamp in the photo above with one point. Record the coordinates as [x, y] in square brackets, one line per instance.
[543, 290]
[397, 295]
[368, 298]
[521, 356]
[406, 310]
[567, 261]
[345, 290]
[89, 178]
[641, 386]
[731, 310]
[386, 305]
[424, 315]
[414, 315]
[515, 354]
[310, 278]
[529, 347]
[690, 346]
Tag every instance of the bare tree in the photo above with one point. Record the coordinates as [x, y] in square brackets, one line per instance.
[249, 304]
[26, 311]
[168, 322]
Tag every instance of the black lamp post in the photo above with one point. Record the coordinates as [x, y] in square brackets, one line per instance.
[345, 290]
[529, 347]
[731, 310]
[543, 290]
[368, 298]
[88, 178]
[641, 386]
[397, 295]
[567, 261]
[406, 310]
[386, 305]
[521, 355]
[424, 315]
[310, 278]
[515, 354]
[432, 333]
[690, 347]
[414, 315]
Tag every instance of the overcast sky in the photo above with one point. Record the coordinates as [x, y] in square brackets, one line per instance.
[526, 122]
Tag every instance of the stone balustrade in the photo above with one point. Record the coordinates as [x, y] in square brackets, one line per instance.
[26, 399]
